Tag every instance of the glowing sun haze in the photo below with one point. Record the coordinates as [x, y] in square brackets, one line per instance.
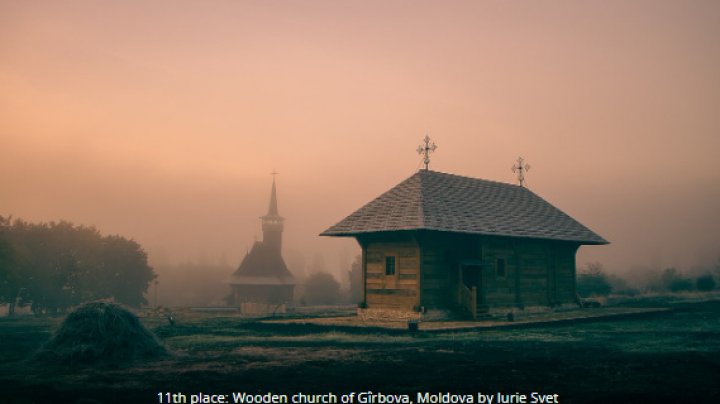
[162, 120]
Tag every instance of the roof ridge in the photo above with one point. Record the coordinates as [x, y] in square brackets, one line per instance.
[472, 178]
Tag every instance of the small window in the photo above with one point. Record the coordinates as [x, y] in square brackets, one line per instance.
[390, 265]
[500, 268]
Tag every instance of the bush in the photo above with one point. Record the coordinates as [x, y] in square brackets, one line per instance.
[672, 280]
[592, 281]
[321, 288]
[356, 279]
[681, 285]
[620, 286]
[705, 283]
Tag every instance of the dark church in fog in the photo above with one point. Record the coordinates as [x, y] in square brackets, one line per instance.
[444, 241]
[262, 277]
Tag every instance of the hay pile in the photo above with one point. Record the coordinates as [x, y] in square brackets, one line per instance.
[101, 332]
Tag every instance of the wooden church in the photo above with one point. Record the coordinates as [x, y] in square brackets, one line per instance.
[444, 241]
[263, 279]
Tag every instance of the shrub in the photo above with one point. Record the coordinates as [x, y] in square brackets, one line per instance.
[620, 286]
[674, 281]
[321, 288]
[592, 281]
[705, 283]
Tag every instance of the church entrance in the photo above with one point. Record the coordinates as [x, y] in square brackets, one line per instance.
[471, 276]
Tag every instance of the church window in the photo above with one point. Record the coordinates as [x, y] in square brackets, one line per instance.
[390, 265]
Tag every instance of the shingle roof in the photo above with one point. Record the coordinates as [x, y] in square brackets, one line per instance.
[432, 200]
[262, 266]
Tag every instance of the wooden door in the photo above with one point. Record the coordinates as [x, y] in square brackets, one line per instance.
[472, 277]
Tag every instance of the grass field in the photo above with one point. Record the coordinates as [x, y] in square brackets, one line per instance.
[663, 357]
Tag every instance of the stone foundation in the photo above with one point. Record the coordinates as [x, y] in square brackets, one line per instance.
[376, 314]
[499, 312]
[388, 314]
[502, 312]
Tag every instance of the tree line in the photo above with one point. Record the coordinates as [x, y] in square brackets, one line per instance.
[592, 280]
[56, 265]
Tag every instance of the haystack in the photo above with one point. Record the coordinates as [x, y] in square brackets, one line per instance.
[101, 332]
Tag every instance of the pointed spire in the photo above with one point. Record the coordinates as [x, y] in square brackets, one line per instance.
[272, 223]
[273, 209]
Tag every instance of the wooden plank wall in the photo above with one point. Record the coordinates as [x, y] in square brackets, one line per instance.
[441, 255]
[532, 260]
[398, 291]
[547, 272]
[437, 280]
[499, 291]
[565, 273]
[537, 272]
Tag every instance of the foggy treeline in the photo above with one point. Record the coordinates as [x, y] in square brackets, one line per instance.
[54, 266]
[190, 284]
[205, 284]
[594, 280]
[51, 267]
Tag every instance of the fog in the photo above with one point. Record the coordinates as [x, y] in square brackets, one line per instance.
[163, 121]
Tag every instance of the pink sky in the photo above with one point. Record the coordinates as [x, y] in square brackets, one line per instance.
[162, 120]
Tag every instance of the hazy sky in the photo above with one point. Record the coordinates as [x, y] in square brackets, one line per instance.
[161, 120]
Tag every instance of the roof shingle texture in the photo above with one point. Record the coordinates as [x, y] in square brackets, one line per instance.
[432, 200]
[263, 265]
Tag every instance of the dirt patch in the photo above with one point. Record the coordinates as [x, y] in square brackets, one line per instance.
[287, 356]
[521, 320]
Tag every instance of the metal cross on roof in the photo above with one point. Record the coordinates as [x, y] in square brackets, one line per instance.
[274, 173]
[425, 150]
[520, 168]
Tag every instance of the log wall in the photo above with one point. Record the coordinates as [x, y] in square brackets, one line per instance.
[399, 290]
[428, 270]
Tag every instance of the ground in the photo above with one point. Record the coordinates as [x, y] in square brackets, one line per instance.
[669, 356]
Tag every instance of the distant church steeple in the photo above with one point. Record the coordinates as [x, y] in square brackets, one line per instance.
[272, 222]
[262, 276]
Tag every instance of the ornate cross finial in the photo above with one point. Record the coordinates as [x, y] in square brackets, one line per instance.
[521, 167]
[274, 173]
[425, 150]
